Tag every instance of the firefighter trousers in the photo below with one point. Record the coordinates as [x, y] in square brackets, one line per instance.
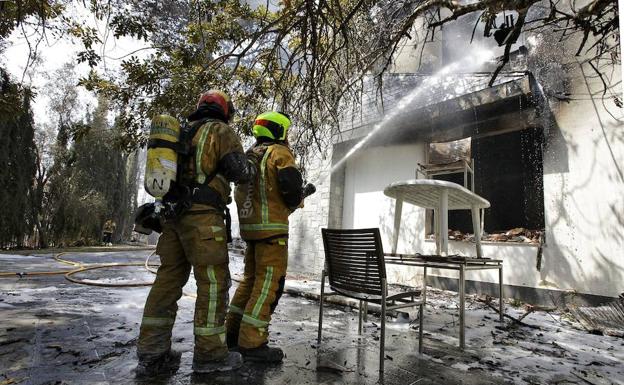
[257, 295]
[197, 241]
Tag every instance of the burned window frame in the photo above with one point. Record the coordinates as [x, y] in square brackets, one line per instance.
[530, 164]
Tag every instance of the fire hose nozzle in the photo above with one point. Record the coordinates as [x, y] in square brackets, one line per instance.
[308, 190]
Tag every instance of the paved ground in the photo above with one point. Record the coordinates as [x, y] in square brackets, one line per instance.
[57, 332]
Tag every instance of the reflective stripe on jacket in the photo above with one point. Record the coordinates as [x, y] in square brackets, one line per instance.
[212, 141]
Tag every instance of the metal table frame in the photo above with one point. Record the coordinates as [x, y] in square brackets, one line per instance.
[462, 265]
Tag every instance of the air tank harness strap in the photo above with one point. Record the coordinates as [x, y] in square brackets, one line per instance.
[161, 143]
[206, 195]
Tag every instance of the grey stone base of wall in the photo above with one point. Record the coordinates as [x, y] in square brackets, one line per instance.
[543, 297]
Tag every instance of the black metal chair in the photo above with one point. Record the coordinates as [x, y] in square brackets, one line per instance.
[355, 266]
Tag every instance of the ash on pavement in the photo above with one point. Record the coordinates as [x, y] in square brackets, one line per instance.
[57, 332]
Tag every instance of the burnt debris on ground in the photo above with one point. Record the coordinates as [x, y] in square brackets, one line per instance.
[58, 332]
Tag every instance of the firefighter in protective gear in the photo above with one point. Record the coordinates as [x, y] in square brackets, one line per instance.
[197, 238]
[109, 229]
[263, 206]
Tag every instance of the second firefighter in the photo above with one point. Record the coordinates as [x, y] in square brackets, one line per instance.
[263, 206]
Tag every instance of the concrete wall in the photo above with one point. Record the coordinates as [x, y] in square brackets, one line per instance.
[583, 172]
[305, 251]
[584, 200]
[367, 173]
[584, 191]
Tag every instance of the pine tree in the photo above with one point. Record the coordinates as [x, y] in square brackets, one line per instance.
[17, 162]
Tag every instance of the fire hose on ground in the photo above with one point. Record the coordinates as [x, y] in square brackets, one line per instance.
[80, 267]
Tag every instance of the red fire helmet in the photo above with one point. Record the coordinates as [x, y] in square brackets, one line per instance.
[219, 98]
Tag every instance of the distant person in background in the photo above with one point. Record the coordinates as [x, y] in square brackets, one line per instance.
[109, 229]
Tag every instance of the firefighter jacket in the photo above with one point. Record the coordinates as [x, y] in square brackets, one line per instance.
[265, 203]
[216, 158]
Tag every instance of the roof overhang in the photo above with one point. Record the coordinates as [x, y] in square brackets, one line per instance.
[505, 107]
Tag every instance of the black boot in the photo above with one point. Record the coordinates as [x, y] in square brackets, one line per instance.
[231, 362]
[263, 353]
[232, 341]
[165, 363]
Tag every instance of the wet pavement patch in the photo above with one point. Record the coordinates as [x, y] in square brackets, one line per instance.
[57, 332]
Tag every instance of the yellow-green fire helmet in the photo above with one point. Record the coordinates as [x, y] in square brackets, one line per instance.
[272, 124]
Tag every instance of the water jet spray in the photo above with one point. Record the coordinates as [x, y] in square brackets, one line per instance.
[472, 61]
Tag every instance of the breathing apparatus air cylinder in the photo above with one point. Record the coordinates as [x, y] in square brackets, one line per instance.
[162, 157]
